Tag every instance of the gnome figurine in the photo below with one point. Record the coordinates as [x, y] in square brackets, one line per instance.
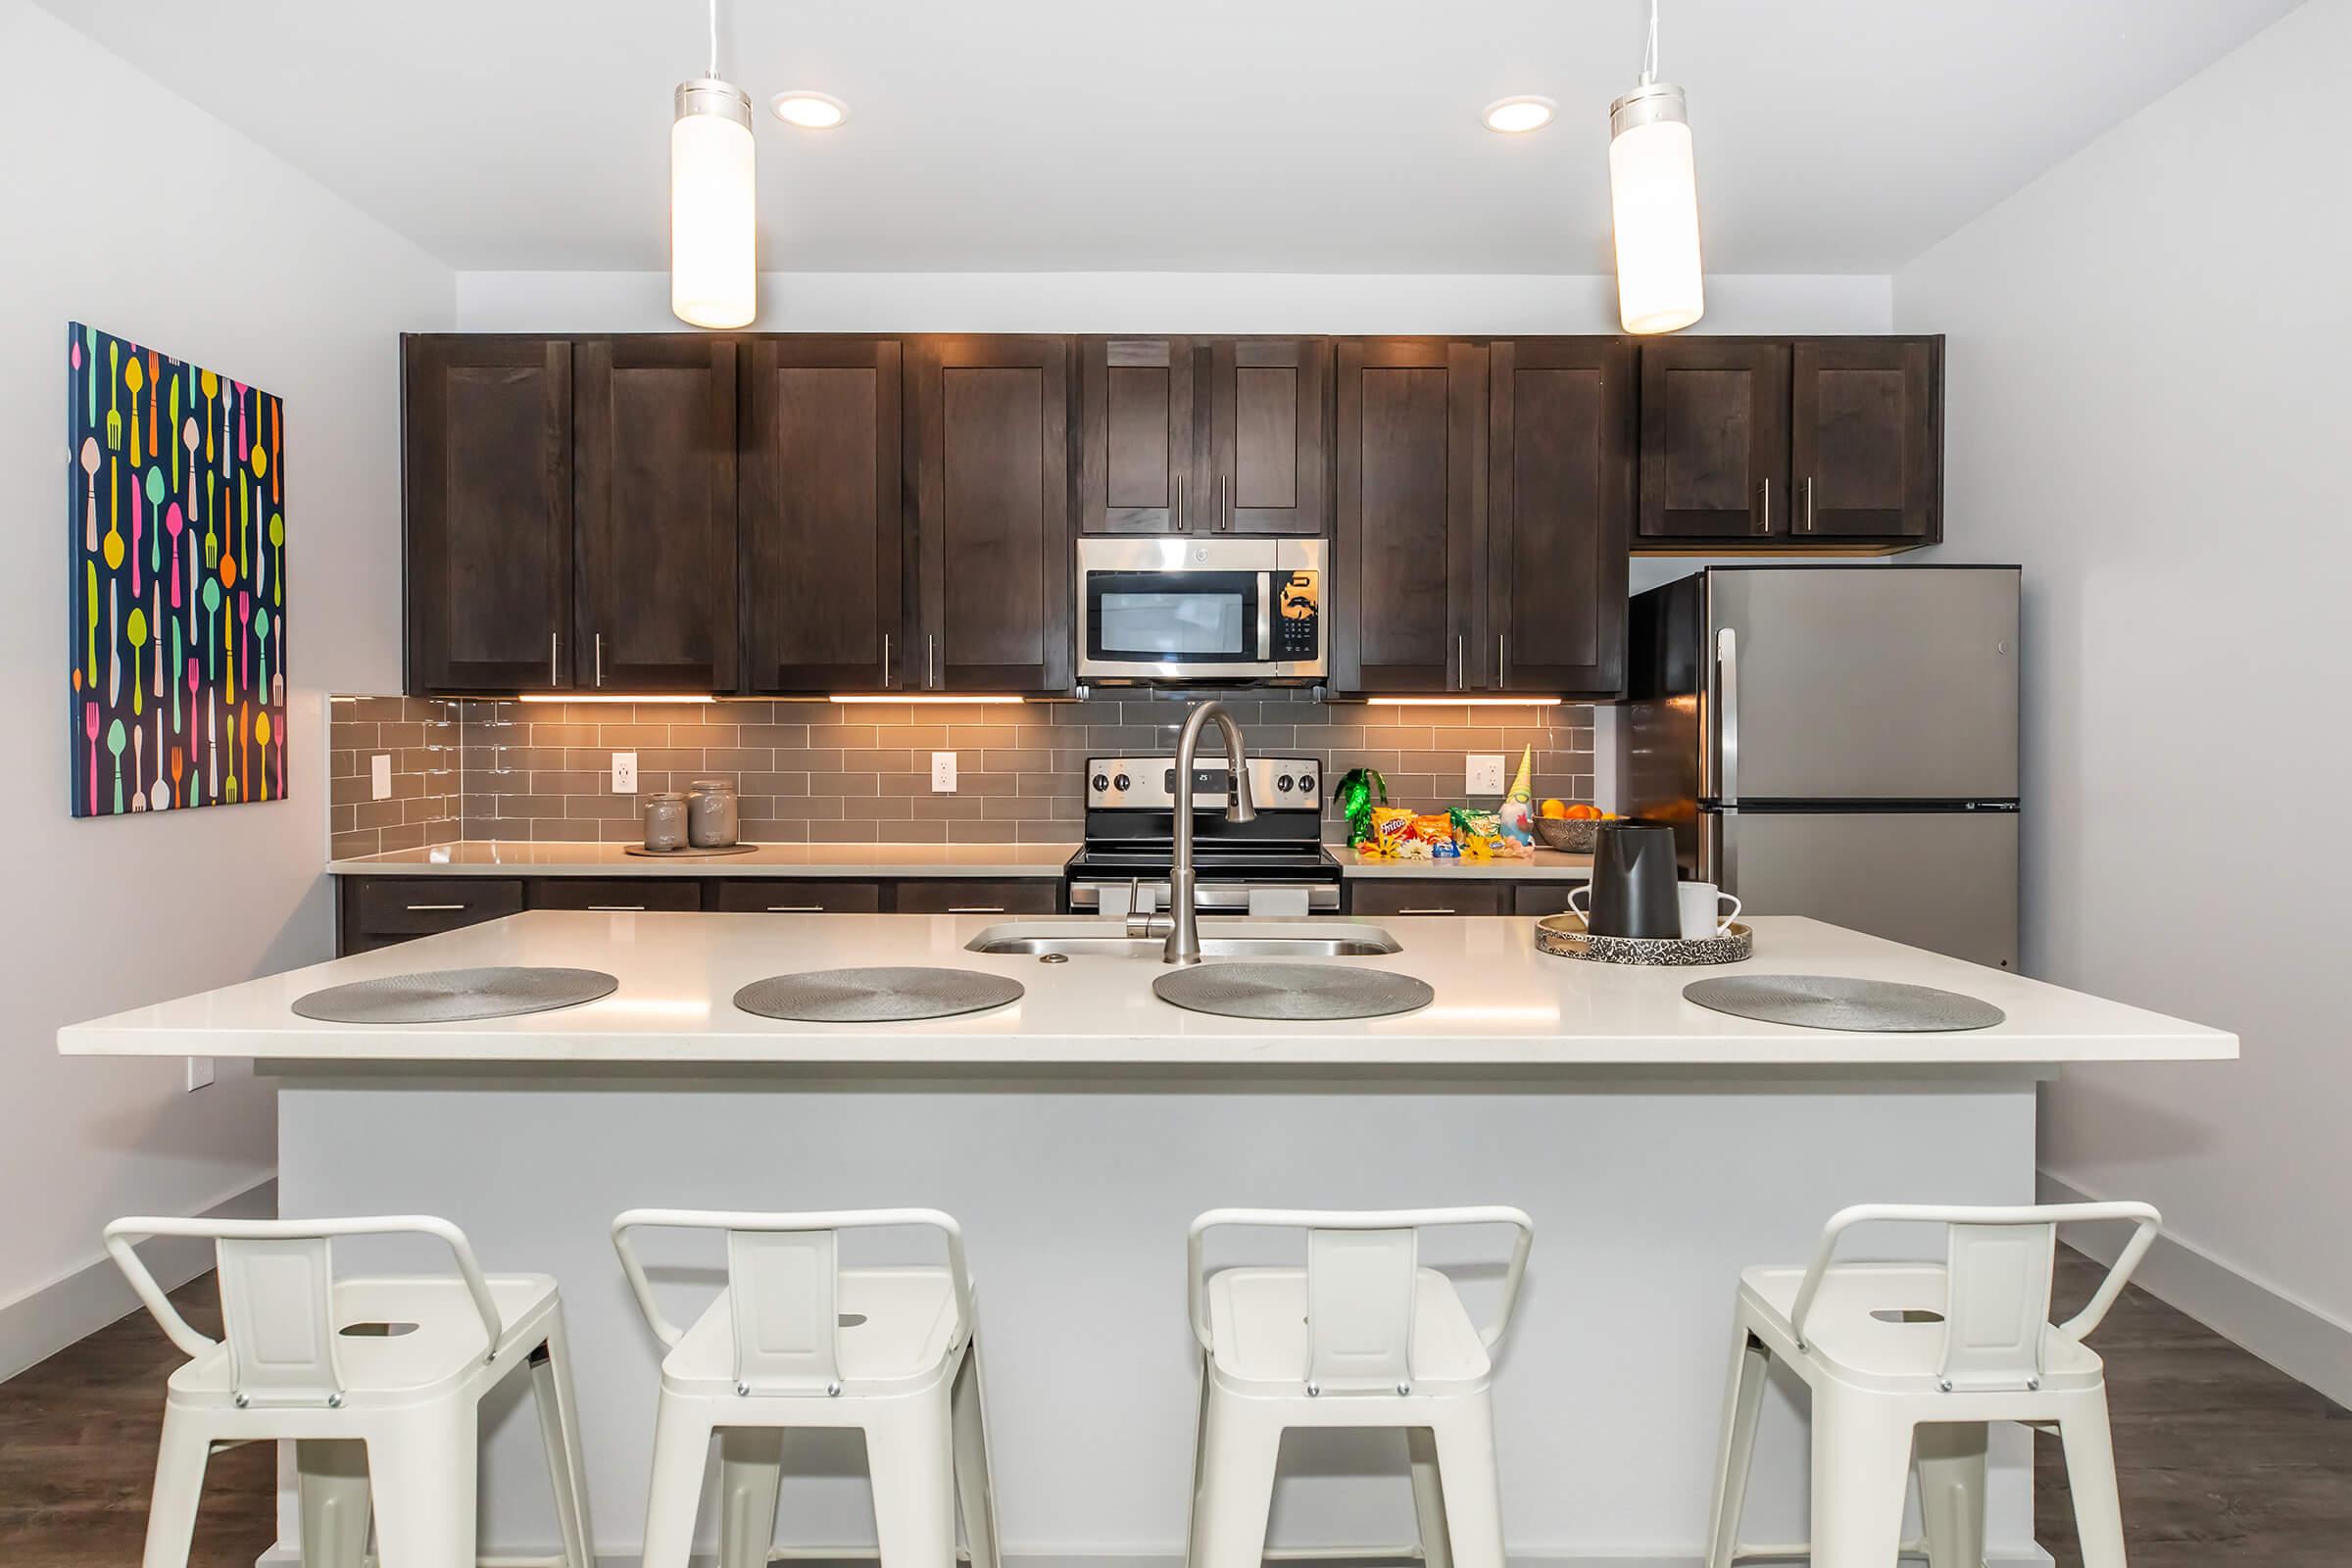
[1518, 806]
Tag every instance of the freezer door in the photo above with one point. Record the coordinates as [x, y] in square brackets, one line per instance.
[1941, 880]
[1866, 683]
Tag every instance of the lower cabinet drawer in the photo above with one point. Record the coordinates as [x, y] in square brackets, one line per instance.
[618, 895]
[798, 896]
[1432, 895]
[380, 910]
[965, 896]
[1543, 898]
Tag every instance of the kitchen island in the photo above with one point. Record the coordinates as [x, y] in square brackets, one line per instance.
[1660, 1147]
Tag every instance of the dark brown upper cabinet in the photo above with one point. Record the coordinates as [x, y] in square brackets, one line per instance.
[654, 584]
[1560, 512]
[1805, 443]
[1409, 550]
[988, 451]
[487, 485]
[1485, 495]
[1204, 435]
[1866, 439]
[823, 520]
[1136, 424]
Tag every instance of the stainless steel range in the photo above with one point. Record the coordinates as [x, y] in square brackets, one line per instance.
[1131, 830]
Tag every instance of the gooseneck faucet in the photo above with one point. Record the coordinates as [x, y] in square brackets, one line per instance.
[1184, 928]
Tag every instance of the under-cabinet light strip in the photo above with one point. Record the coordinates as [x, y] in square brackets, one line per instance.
[1465, 701]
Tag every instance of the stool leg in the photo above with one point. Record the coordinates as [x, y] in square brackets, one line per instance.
[1861, 1474]
[1239, 1444]
[422, 1467]
[1466, 1438]
[910, 1452]
[1742, 1407]
[1429, 1498]
[1951, 1492]
[2090, 1475]
[332, 1475]
[750, 1473]
[178, 1486]
[560, 1431]
[682, 1454]
[975, 1483]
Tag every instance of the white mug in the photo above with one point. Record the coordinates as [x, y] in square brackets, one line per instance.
[1703, 917]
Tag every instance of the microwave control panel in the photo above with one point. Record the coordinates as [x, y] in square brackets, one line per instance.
[1297, 619]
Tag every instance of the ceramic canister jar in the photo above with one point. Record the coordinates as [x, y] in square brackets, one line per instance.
[713, 817]
[666, 821]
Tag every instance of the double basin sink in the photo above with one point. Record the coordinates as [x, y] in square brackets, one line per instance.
[1220, 939]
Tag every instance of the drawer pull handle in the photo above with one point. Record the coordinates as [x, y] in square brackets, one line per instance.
[434, 909]
[976, 909]
[617, 909]
[796, 909]
[1424, 911]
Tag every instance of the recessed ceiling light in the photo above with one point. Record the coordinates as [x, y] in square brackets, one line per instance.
[1517, 117]
[810, 110]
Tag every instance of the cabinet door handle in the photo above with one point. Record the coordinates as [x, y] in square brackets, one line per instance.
[930, 659]
[1226, 496]
[886, 660]
[600, 659]
[1178, 514]
[796, 909]
[1764, 522]
[1425, 912]
[552, 680]
[1808, 502]
[1461, 665]
[1500, 679]
[434, 909]
[975, 909]
[617, 909]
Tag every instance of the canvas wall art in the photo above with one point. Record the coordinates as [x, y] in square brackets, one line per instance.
[176, 543]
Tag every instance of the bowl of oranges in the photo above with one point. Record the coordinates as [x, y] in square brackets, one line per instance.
[1573, 828]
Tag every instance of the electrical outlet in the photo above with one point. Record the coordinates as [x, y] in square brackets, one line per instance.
[200, 1072]
[1482, 776]
[943, 772]
[624, 772]
[380, 776]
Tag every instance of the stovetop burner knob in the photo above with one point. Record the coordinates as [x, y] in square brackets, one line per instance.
[1120, 783]
[1102, 783]
[1281, 785]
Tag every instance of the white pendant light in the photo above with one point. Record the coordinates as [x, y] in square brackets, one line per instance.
[1654, 198]
[713, 261]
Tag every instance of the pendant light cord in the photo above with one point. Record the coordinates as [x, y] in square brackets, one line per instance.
[1649, 52]
[714, 36]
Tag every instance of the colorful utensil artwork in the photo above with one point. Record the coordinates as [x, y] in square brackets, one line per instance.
[192, 452]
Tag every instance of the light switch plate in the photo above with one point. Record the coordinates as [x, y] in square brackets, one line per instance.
[624, 772]
[200, 1072]
[943, 772]
[1481, 774]
[380, 776]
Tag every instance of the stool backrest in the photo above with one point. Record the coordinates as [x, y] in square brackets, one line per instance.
[1999, 1264]
[1361, 1269]
[277, 1296]
[783, 1286]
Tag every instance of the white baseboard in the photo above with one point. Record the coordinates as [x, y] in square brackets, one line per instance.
[44, 1321]
[2295, 1337]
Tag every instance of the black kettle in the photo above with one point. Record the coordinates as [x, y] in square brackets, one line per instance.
[1633, 893]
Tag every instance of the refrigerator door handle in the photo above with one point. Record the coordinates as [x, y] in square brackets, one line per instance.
[1727, 715]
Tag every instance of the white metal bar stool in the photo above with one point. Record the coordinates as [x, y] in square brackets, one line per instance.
[1910, 1361]
[795, 1340]
[1361, 1337]
[376, 1380]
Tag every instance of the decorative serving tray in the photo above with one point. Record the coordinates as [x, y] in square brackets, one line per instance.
[688, 854]
[1564, 936]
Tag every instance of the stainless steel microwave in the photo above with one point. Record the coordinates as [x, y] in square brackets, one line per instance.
[1182, 608]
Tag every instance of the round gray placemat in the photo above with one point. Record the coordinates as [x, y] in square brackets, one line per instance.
[452, 996]
[1290, 992]
[898, 994]
[1834, 1001]
[688, 854]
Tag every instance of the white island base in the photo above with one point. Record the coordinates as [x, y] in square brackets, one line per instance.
[1648, 1198]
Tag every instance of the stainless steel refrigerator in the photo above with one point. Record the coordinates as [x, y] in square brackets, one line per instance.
[1836, 741]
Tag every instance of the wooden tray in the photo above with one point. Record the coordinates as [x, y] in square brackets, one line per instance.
[1564, 936]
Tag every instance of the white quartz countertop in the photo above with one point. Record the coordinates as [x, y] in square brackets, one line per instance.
[1547, 865]
[1499, 1002]
[494, 858]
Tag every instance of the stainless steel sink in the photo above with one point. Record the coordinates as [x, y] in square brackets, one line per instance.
[1220, 939]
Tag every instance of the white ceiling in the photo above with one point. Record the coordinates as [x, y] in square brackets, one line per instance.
[1219, 135]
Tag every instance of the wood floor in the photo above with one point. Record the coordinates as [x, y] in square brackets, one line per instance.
[2223, 1461]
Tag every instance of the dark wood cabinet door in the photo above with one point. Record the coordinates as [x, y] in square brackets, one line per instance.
[1269, 402]
[1714, 439]
[1866, 439]
[1560, 512]
[653, 521]
[823, 516]
[1408, 553]
[486, 478]
[1435, 894]
[1135, 459]
[991, 461]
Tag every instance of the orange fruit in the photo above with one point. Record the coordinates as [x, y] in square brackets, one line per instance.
[1555, 808]
[1582, 812]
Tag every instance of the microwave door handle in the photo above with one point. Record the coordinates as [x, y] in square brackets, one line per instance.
[1727, 715]
[1265, 616]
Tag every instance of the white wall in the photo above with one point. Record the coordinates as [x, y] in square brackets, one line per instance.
[1162, 302]
[129, 210]
[2147, 408]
